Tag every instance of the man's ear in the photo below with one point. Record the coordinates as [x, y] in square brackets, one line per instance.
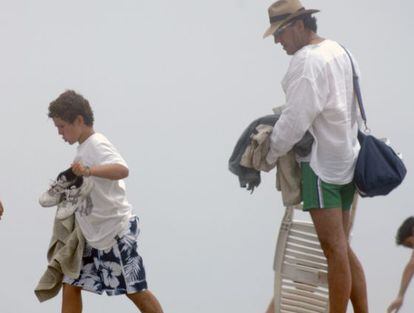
[300, 25]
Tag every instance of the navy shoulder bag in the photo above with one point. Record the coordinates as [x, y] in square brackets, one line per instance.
[378, 168]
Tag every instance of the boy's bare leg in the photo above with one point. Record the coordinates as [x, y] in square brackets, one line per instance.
[71, 299]
[271, 307]
[332, 236]
[145, 302]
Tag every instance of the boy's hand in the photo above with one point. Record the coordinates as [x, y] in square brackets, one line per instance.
[1, 209]
[395, 305]
[80, 170]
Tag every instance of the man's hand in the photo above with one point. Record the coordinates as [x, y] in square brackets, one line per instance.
[395, 305]
[80, 170]
[1, 209]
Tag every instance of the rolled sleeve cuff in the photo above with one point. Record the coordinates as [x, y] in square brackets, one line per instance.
[272, 156]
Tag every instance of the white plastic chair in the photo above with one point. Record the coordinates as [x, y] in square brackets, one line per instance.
[301, 282]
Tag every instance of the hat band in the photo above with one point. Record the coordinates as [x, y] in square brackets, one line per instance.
[277, 18]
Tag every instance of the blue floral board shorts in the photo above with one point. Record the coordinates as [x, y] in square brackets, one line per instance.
[117, 270]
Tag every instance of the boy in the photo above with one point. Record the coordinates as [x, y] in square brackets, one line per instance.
[405, 237]
[111, 262]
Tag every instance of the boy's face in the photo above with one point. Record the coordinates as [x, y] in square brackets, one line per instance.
[70, 132]
[409, 242]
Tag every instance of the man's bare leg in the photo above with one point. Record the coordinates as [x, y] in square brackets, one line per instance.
[145, 302]
[359, 297]
[271, 307]
[332, 236]
[71, 299]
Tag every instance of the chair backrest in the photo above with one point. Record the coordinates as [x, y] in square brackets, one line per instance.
[300, 266]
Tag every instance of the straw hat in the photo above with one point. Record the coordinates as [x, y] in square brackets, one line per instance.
[284, 11]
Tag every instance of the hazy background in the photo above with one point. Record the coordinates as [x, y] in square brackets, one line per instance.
[173, 84]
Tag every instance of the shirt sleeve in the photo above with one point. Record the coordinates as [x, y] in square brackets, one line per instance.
[106, 153]
[305, 99]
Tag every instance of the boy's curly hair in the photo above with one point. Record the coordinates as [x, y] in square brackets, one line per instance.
[406, 230]
[69, 105]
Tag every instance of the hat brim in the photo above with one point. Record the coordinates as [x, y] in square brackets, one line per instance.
[275, 26]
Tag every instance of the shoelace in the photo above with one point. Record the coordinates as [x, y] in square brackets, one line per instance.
[56, 187]
[72, 194]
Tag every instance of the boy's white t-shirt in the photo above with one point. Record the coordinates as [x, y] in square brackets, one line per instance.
[105, 213]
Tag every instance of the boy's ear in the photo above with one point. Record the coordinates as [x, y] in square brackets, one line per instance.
[79, 120]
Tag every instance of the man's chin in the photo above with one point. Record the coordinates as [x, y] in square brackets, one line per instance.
[71, 142]
[287, 51]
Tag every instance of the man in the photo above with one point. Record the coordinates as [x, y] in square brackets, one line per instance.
[320, 99]
[405, 237]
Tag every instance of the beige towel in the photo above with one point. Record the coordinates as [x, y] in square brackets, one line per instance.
[288, 179]
[255, 154]
[64, 256]
[288, 174]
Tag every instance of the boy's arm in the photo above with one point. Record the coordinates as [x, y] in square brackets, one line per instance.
[1, 209]
[108, 171]
[405, 281]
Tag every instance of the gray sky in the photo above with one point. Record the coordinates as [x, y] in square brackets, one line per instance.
[173, 84]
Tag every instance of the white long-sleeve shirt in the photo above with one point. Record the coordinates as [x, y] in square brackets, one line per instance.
[320, 98]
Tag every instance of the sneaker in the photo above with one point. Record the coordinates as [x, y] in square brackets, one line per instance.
[54, 195]
[73, 196]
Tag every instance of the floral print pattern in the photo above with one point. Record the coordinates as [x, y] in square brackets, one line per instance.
[118, 270]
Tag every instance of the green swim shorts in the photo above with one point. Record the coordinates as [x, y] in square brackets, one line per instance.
[319, 194]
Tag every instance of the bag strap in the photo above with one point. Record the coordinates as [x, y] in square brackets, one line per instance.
[357, 89]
